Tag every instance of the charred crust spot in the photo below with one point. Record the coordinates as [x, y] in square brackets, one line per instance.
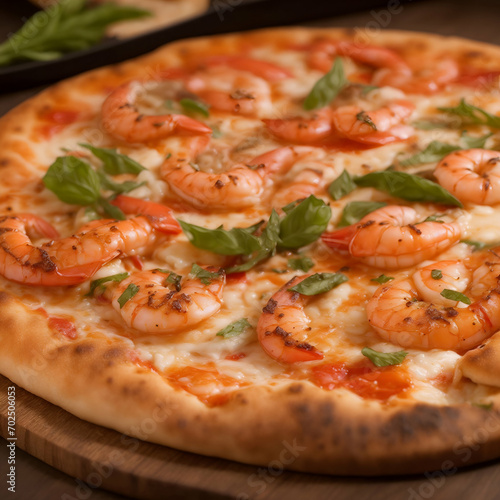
[270, 307]
[113, 228]
[176, 305]
[219, 184]
[109, 380]
[139, 118]
[280, 315]
[296, 389]
[344, 269]
[4, 162]
[182, 423]
[83, 348]
[113, 352]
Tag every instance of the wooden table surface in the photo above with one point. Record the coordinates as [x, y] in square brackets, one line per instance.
[35, 480]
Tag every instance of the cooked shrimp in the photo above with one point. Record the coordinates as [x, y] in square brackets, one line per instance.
[411, 313]
[66, 261]
[121, 119]
[263, 69]
[393, 238]
[425, 81]
[301, 129]
[324, 52]
[282, 321]
[231, 90]
[374, 127]
[156, 308]
[239, 187]
[472, 175]
[308, 181]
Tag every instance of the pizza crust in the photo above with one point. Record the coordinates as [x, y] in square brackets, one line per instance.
[333, 432]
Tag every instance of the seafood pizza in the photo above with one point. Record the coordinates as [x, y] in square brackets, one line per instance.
[282, 239]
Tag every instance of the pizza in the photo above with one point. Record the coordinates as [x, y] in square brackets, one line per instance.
[278, 245]
[163, 13]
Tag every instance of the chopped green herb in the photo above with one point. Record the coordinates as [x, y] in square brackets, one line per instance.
[234, 329]
[436, 274]
[384, 358]
[206, 277]
[129, 292]
[488, 406]
[368, 88]
[454, 295]
[382, 279]
[434, 218]
[100, 282]
[172, 278]
[478, 245]
[319, 283]
[192, 106]
[429, 124]
[279, 271]
[301, 264]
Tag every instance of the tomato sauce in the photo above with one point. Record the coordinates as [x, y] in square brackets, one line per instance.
[369, 382]
[56, 120]
[63, 326]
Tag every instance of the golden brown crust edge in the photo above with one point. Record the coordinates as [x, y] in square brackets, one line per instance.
[330, 432]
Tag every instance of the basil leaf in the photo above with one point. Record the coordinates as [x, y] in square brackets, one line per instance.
[216, 132]
[236, 241]
[73, 181]
[114, 163]
[288, 208]
[99, 282]
[192, 106]
[206, 277]
[478, 245]
[117, 187]
[408, 187]
[110, 210]
[454, 295]
[341, 186]
[327, 87]
[473, 114]
[382, 279]
[364, 117]
[319, 283]
[488, 406]
[355, 210]
[384, 358]
[129, 292]
[436, 274]
[64, 27]
[268, 241]
[234, 329]
[305, 223]
[301, 264]
[475, 142]
[432, 153]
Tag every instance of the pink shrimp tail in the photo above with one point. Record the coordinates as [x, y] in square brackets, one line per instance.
[340, 239]
[160, 216]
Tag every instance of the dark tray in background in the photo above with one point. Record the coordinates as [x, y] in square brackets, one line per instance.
[223, 16]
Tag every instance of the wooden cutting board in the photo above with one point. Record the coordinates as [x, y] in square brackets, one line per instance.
[107, 459]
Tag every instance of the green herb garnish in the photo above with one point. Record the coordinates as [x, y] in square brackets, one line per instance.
[319, 283]
[129, 292]
[454, 295]
[234, 329]
[384, 358]
[101, 281]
